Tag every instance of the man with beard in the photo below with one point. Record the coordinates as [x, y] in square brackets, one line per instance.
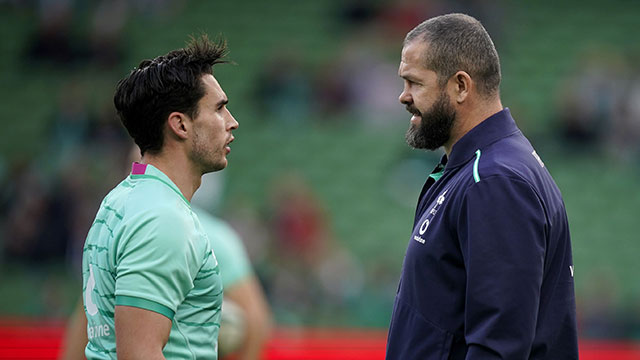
[151, 282]
[488, 270]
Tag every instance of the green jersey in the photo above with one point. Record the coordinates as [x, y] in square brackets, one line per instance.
[147, 249]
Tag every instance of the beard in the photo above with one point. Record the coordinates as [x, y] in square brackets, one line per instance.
[435, 125]
[207, 159]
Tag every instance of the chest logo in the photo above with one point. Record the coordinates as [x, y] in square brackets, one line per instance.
[424, 226]
[430, 214]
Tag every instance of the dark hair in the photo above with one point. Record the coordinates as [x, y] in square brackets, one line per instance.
[156, 88]
[458, 42]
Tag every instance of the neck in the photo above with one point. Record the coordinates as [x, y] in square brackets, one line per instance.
[468, 117]
[177, 168]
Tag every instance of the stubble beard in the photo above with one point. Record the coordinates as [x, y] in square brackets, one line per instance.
[435, 125]
[206, 158]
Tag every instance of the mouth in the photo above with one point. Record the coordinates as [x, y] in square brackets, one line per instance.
[227, 147]
[415, 119]
[417, 116]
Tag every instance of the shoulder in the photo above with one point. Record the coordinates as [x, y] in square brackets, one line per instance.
[152, 214]
[152, 200]
[152, 193]
[510, 158]
[505, 171]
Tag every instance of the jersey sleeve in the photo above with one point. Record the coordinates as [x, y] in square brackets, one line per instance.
[502, 228]
[157, 260]
[226, 244]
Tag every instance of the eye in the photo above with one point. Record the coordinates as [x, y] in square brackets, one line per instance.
[411, 83]
[222, 105]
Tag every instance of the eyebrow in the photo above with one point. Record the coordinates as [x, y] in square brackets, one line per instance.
[222, 102]
[409, 77]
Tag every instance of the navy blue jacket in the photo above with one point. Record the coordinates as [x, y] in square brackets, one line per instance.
[488, 272]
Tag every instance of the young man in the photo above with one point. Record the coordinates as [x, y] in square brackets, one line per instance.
[240, 284]
[488, 272]
[151, 282]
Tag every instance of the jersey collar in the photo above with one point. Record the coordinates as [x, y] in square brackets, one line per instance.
[495, 127]
[149, 171]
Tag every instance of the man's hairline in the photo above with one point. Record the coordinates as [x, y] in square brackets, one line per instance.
[440, 78]
[443, 78]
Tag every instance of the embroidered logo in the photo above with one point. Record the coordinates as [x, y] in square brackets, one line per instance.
[424, 226]
[430, 214]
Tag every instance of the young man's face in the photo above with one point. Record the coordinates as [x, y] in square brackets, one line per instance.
[212, 128]
[433, 113]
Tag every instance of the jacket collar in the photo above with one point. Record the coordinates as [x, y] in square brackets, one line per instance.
[495, 127]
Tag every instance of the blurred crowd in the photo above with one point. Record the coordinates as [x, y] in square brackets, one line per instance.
[47, 202]
[598, 106]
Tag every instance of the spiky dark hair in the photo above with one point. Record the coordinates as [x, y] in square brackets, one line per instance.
[157, 87]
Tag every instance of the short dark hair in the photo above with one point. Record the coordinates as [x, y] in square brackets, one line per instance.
[156, 88]
[459, 42]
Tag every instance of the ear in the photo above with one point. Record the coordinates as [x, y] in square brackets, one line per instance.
[461, 86]
[178, 125]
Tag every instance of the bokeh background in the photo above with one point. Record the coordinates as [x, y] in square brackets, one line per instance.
[321, 184]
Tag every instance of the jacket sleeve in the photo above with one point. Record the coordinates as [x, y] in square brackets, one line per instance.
[502, 227]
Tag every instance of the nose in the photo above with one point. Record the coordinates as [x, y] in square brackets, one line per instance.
[232, 124]
[405, 98]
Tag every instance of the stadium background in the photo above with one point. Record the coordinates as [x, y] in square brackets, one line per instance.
[321, 184]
